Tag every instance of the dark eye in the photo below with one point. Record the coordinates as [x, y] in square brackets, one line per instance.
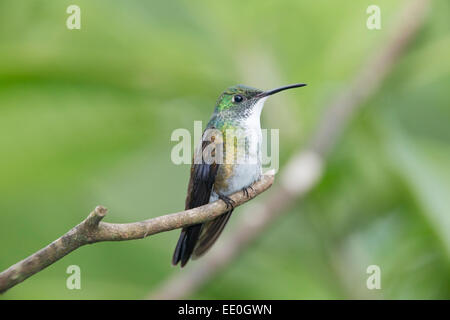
[238, 98]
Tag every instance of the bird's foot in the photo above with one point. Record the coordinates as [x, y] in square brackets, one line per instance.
[228, 201]
[245, 191]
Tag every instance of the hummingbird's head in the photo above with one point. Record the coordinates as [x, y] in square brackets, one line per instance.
[241, 102]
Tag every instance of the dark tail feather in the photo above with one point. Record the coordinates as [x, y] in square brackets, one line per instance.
[210, 232]
[186, 244]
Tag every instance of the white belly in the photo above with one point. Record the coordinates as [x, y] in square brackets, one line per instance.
[244, 175]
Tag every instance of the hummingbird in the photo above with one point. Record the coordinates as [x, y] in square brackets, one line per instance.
[238, 110]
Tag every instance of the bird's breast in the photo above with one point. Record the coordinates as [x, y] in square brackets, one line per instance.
[242, 165]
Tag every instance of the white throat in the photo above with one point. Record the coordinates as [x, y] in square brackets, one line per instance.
[253, 121]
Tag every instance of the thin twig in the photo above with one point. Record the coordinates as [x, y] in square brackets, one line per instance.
[92, 230]
[304, 169]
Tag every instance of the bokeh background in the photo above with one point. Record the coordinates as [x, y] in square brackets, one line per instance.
[86, 117]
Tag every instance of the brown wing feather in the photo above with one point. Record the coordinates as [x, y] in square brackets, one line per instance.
[199, 191]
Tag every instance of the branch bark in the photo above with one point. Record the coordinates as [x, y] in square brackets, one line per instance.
[93, 230]
[305, 168]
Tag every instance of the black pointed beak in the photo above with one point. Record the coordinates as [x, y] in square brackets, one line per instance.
[273, 91]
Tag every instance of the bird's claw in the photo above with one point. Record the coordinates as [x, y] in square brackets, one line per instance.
[245, 191]
[228, 201]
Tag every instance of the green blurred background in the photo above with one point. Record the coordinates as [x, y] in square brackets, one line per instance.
[86, 117]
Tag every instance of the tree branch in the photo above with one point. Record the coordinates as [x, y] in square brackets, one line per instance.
[92, 230]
